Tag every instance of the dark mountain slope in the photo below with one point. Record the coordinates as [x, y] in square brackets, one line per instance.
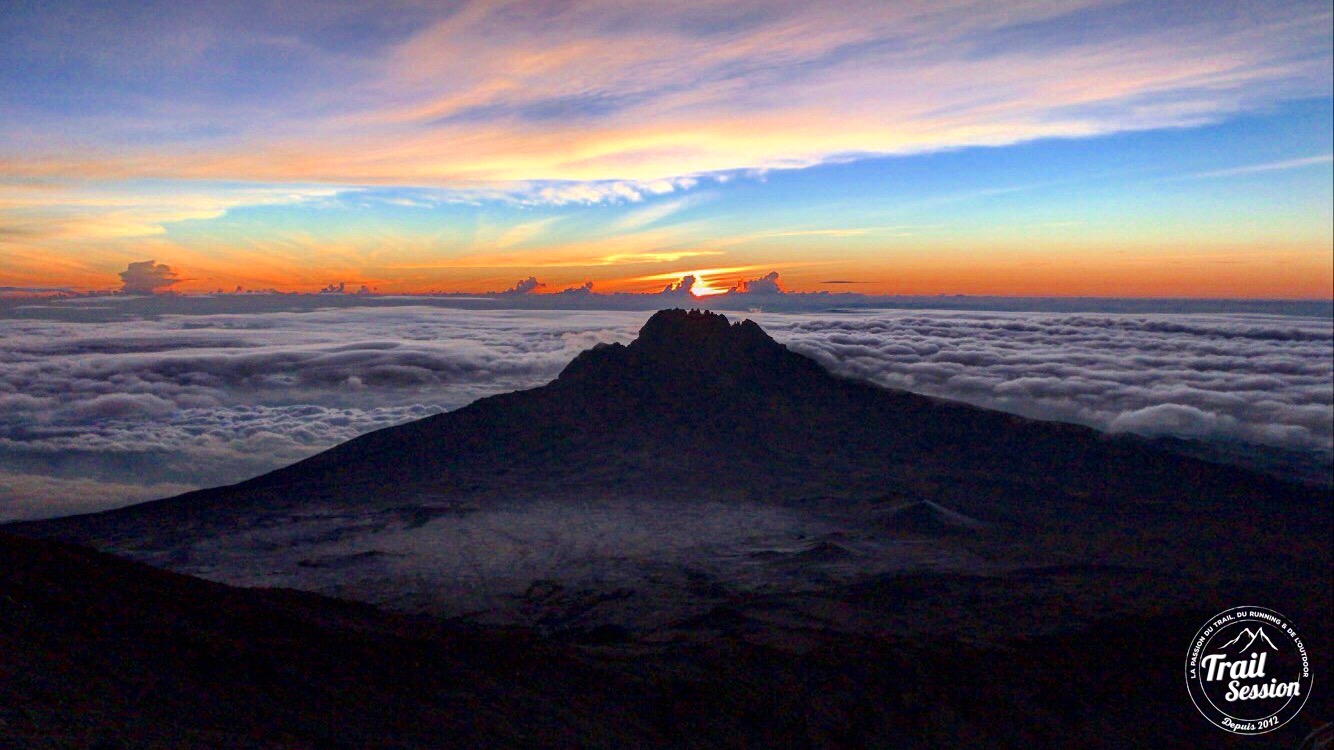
[97, 652]
[97, 648]
[698, 406]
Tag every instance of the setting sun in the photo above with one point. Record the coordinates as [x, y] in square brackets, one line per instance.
[704, 286]
[705, 282]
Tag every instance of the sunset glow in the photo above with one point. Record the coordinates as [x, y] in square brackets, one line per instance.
[702, 288]
[1067, 148]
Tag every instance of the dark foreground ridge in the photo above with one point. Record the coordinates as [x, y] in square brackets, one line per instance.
[97, 652]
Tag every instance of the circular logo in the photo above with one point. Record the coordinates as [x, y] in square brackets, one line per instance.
[1247, 670]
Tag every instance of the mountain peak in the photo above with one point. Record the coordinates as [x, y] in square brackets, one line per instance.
[685, 329]
[691, 345]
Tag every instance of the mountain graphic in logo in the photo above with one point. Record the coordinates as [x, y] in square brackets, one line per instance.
[1251, 637]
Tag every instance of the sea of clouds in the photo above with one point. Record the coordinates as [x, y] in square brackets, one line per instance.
[100, 407]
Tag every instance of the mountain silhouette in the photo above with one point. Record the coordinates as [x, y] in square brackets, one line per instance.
[703, 534]
[700, 406]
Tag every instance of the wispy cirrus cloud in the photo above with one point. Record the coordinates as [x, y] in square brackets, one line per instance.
[1273, 166]
[635, 96]
[897, 231]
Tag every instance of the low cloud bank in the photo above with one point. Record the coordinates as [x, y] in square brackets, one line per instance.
[101, 405]
[1257, 379]
[186, 401]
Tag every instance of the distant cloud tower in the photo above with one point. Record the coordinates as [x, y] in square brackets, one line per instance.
[525, 286]
[147, 277]
[766, 284]
[681, 288]
[341, 288]
[585, 288]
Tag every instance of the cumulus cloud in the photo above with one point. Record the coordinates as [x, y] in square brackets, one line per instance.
[525, 286]
[583, 289]
[766, 284]
[679, 289]
[147, 277]
[332, 288]
[120, 406]
[1173, 419]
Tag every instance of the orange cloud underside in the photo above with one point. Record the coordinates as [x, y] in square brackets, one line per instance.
[1290, 273]
[597, 104]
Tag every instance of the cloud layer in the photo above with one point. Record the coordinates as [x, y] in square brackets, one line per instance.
[1260, 379]
[100, 406]
[184, 401]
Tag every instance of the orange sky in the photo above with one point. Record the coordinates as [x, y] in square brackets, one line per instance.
[953, 147]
